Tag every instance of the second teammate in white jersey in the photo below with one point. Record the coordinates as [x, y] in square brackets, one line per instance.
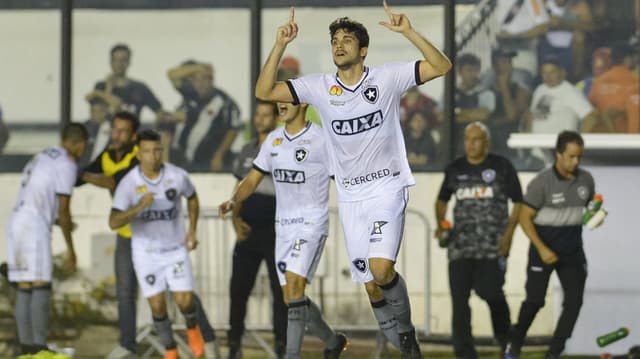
[44, 199]
[294, 155]
[149, 198]
[359, 107]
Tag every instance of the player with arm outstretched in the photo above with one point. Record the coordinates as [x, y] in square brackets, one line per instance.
[360, 109]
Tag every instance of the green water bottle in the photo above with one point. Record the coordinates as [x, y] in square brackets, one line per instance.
[609, 338]
[592, 208]
[445, 233]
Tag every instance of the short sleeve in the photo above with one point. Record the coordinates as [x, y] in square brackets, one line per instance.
[188, 190]
[512, 183]
[403, 76]
[65, 179]
[122, 199]
[262, 162]
[487, 100]
[446, 189]
[304, 89]
[579, 103]
[535, 193]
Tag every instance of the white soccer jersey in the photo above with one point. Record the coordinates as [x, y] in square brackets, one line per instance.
[362, 123]
[161, 226]
[50, 173]
[297, 164]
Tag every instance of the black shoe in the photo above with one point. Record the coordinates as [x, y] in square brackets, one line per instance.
[409, 347]
[551, 355]
[281, 350]
[335, 352]
[511, 352]
[235, 352]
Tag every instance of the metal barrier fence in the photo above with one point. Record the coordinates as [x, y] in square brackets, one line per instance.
[344, 303]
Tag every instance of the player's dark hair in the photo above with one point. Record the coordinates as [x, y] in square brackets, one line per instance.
[468, 59]
[352, 27]
[128, 116]
[274, 106]
[566, 137]
[148, 135]
[75, 132]
[120, 47]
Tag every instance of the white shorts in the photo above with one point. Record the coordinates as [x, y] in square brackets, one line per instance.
[160, 270]
[29, 255]
[298, 250]
[373, 228]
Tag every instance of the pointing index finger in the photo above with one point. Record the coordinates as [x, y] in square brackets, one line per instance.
[387, 10]
[291, 14]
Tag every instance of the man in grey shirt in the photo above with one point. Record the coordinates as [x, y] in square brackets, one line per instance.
[552, 219]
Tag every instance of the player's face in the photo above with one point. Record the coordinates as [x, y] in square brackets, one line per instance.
[287, 112]
[569, 160]
[503, 65]
[264, 118]
[476, 143]
[77, 150]
[202, 82]
[122, 134]
[150, 155]
[346, 50]
[552, 75]
[120, 62]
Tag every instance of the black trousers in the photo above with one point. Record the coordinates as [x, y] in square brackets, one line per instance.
[572, 273]
[247, 257]
[486, 278]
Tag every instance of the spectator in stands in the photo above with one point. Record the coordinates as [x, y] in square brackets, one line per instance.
[613, 24]
[600, 62]
[512, 101]
[472, 102]
[4, 132]
[614, 89]
[122, 92]
[522, 22]
[211, 120]
[502, 57]
[289, 68]
[415, 100]
[421, 148]
[99, 128]
[566, 36]
[557, 105]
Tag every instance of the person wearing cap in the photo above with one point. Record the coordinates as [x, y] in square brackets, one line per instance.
[208, 123]
[512, 100]
[482, 184]
[557, 105]
[473, 103]
[616, 90]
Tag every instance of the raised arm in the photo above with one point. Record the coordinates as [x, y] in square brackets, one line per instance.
[435, 63]
[243, 190]
[267, 89]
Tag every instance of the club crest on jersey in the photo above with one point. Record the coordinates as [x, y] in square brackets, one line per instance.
[583, 192]
[141, 189]
[277, 141]
[288, 176]
[357, 125]
[370, 94]
[171, 194]
[377, 227]
[335, 90]
[282, 267]
[301, 154]
[297, 245]
[360, 264]
[488, 175]
[150, 279]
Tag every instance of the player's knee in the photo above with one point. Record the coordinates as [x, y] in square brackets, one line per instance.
[295, 285]
[374, 291]
[382, 270]
[184, 300]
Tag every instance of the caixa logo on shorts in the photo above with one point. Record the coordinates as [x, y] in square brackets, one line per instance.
[357, 125]
[288, 176]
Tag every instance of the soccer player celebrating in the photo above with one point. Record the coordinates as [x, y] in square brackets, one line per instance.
[360, 109]
[43, 200]
[293, 155]
[149, 198]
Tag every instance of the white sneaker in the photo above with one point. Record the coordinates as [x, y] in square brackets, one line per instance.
[121, 353]
[212, 350]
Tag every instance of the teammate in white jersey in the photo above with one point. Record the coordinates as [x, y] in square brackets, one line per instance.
[43, 200]
[294, 157]
[359, 107]
[149, 198]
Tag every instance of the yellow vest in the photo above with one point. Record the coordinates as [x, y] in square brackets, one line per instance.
[110, 168]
